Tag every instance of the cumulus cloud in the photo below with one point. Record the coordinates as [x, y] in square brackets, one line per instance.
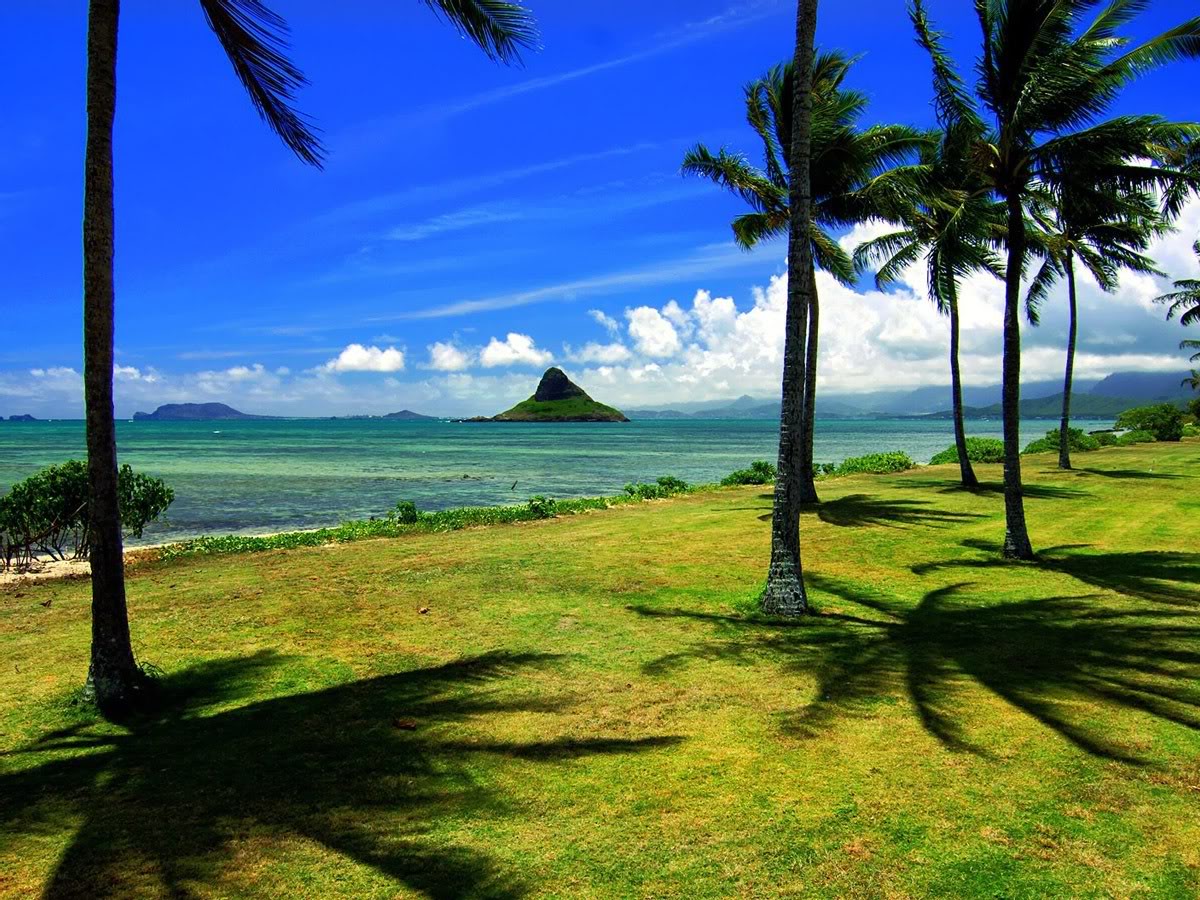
[611, 325]
[357, 358]
[514, 350]
[592, 352]
[652, 332]
[445, 357]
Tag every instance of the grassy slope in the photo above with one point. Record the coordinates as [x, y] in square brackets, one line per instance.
[583, 711]
[573, 408]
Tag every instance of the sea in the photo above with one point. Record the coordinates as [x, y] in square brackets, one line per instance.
[258, 476]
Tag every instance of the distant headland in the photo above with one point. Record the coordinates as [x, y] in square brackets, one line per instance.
[557, 399]
[21, 418]
[190, 412]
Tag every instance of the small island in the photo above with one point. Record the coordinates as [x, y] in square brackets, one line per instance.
[25, 417]
[191, 412]
[404, 415]
[557, 399]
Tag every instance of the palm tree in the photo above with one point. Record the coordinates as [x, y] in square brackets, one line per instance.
[255, 40]
[950, 222]
[1104, 225]
[844, 162]
[1044, 79]
[1184, 302]
[784, 593]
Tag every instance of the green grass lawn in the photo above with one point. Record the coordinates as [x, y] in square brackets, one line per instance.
[587, 708]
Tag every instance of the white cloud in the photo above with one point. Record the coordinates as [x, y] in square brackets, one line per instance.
[357, 358]
[445, 357]
[610, 324]
[593, 352]
[652, 332]
[516, 349]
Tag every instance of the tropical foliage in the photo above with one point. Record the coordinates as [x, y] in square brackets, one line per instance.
[1046, 78]
[1163, 420]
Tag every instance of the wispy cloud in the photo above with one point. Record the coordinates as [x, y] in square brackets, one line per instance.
[377, 133]
[706, 260]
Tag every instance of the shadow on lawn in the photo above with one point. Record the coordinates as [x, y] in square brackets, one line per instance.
[362, 769]
[1051, 658]
[1136, 474]
[1171, 577]
[1034, 491]
[857, 510]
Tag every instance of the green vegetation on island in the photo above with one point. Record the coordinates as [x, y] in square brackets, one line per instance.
[558, 399]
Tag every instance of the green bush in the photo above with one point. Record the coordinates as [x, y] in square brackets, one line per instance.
[1135, 437]
[1191, 430]
[875, 464]
[48, 511]
[1077, 442]
[1105, 438]
[1194, 408]
[760, 472]
[541, 507]
[980, 450]
[827, 469]
[1162, 420]
[666, 486]
[405, 512]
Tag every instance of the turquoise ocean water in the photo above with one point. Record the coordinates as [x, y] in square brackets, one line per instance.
[260, 476]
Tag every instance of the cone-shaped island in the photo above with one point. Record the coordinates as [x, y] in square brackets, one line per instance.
[558, 399]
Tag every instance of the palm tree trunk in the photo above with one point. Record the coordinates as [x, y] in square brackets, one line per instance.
[1064, 450]
[784, 593]
[808, 486]
[960, 430]
[1016, 535]
[113, 676]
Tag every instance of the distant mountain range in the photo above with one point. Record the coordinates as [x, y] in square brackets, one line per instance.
[1091, 397]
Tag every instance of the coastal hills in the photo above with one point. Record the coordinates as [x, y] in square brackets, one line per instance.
[557, 399]
[1043, 399]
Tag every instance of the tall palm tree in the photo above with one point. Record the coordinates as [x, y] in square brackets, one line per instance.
[1045, 79]
[949, 222]
[1184, 302]
[843, 165]
[784, 593]
[1104, 225]
[255, 40]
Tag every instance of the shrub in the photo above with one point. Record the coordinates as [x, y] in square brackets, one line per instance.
[980, 450]
[141, 498]
[1163, 420]
[666, 486]
[760, 472]
[827, 469]
[48, 511]
[1135, 437]
[541, 507]
[1194, 408]
[1077, 442]
[1105, 438]
[876, 464]
[405, 513]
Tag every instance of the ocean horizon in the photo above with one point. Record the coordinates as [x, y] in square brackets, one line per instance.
[257, 476]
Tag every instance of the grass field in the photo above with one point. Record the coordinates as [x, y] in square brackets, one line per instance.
[589, 708]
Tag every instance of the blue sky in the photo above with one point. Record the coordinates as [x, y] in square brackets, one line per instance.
[474, 222]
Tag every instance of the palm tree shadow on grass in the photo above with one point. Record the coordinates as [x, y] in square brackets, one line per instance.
[1052, 658]
[996, 488]
[1159, 576]
[363, 769]
[860, 510]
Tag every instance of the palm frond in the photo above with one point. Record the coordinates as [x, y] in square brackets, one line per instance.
[500, 28]
[255, 40]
